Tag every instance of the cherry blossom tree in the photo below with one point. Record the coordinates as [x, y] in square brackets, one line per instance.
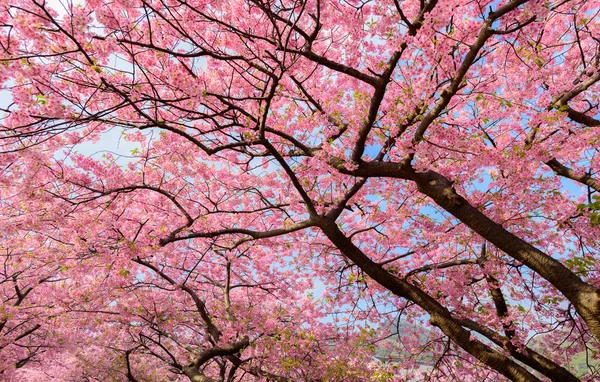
[303, 174]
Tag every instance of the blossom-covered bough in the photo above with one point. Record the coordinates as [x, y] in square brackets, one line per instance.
[303, 174]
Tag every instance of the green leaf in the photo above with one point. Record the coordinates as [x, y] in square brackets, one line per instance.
[124, 272]
[40, 99]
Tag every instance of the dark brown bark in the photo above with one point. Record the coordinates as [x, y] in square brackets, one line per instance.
[192, 370]
[584, 297]
[567, 172]
[529, 357]
[440, 316]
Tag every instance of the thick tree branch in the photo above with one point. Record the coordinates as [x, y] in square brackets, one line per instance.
[192, 369]
[584, 297]
[440, 316]
[569, 173]
[524, 354]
